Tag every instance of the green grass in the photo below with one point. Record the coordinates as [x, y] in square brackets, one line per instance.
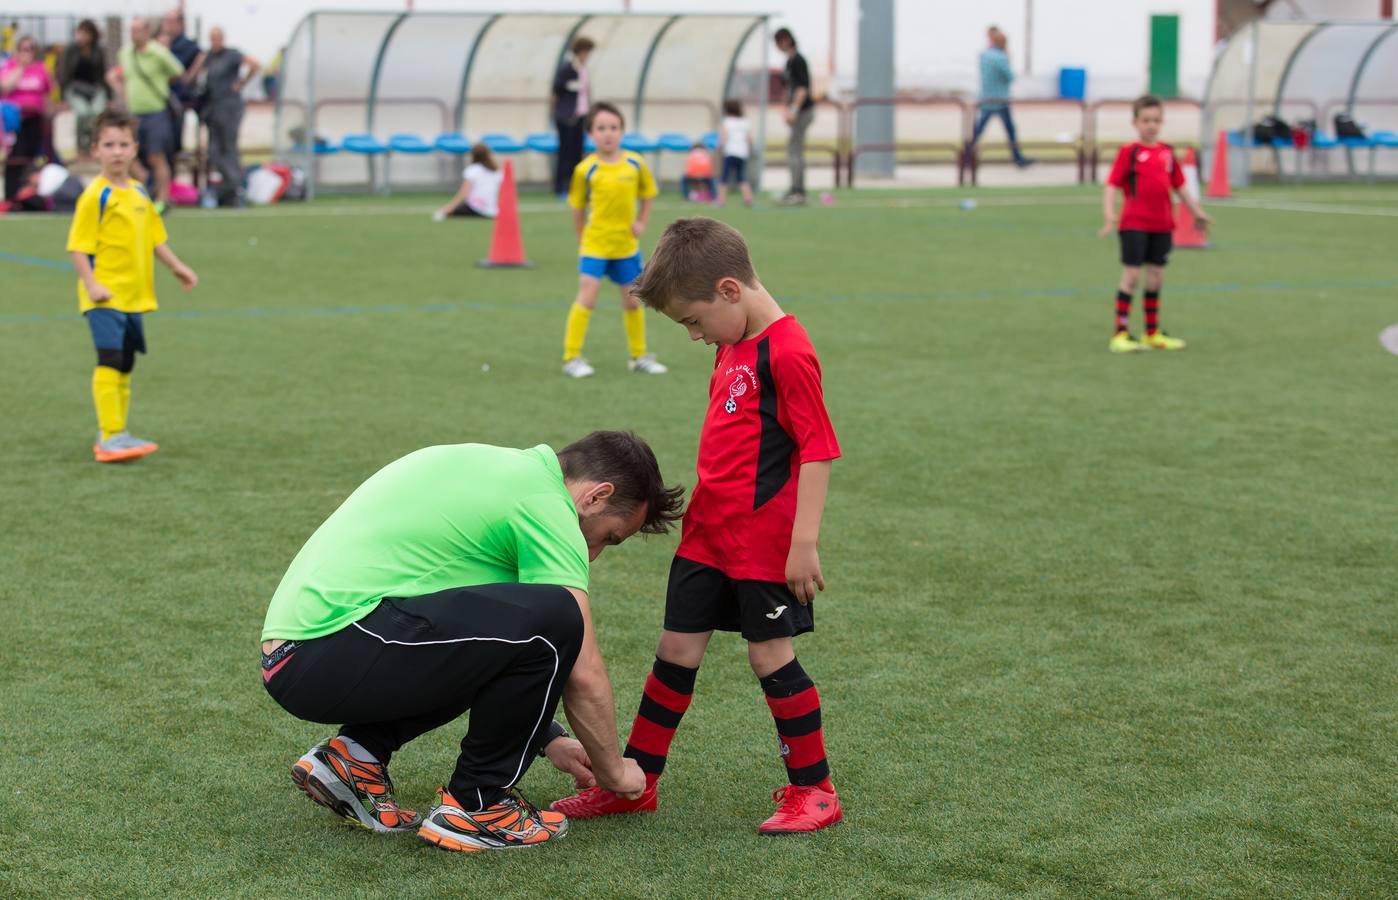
[1095, 625]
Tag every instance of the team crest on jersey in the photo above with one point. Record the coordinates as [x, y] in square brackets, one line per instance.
[1143, 156]
[739, 387]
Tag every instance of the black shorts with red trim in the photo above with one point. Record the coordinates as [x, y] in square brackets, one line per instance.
[701, 598]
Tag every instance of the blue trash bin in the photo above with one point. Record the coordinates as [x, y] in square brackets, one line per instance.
[1072, 83]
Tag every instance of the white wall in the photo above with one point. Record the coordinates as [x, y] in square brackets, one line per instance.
[936, 45]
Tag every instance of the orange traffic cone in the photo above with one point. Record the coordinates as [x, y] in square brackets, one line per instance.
[506, 244]
[1187, 230]
[1218, 179]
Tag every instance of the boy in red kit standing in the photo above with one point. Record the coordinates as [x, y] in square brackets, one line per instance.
[747, 560]
[1147, 173]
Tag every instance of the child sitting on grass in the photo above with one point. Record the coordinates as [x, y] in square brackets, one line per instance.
[479, 194]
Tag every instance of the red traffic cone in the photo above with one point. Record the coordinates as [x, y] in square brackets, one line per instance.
[506, 244]
[1187, 230]
[1218, 178]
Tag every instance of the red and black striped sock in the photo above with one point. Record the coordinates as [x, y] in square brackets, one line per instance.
[795, 706]
[1152, 307]
[1123, 311]
[668, 690]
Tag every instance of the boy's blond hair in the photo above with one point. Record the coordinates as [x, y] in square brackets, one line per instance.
[693, 255]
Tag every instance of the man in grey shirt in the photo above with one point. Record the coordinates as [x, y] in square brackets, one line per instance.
[226, 71]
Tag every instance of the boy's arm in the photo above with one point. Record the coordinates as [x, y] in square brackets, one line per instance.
[172, 262]
[803, 576]
[642, 217]
[1108, 210]
[97, 292]
[579, 221]
[1192, 203]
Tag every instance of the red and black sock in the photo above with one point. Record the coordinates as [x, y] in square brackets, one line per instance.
[1123, 311]
[795, 706]
[668, 690]
[1152, 307]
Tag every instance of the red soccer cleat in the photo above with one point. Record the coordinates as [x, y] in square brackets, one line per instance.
[802, 808]
[594, 802]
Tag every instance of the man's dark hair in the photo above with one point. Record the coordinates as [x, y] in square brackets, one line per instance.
[627, 462]
[583, 45]
[1149, 101]
[113, 118]
[690, 258]
[784, 34]
[603, 107]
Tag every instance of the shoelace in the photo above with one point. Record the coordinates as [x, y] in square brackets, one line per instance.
[789, 798]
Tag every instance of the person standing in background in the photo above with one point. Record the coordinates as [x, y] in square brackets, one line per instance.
[571, 102]
[186, 50]
[226, 72]
[141, 82]
[799, 113]
[996, 78]
[25, 82]
[80, 76]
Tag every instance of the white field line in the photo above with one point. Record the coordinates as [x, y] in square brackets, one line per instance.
[1323, 208]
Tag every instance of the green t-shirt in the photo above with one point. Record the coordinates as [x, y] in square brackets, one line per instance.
[443, 517]
[147, 75]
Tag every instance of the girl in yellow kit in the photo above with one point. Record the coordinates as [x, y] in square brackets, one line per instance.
[605, 190]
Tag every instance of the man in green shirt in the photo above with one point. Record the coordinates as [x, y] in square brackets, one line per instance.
[141, 81]
[456, 578]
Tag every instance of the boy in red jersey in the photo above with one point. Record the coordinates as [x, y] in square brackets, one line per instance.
[1147, 173]
[747, 560]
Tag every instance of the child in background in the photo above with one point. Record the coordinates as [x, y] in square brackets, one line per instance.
[734, 137]
[115, 237]
[747, 559]
[698, 181]
[479, 194]
[605, 190]
[1147, 173]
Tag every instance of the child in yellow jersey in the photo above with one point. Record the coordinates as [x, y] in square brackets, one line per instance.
[114, 241]
[604, 193]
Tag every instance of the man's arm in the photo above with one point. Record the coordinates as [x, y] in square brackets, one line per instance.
[591, 710]
[803, 577]
[117, 82]
[252, 67]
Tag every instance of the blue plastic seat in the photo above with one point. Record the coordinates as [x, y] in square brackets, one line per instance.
[408, 143]
[321, 148]
[638, 143]
[542, 142]
[709, 139]
[501, 143]
[1384, 139]
[1322, 141]
[673, 140]
[365, 144]
[447, 142]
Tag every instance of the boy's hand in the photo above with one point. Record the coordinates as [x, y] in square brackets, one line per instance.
[1204, 219]
[186, 276]
[98, 292]
[637, 227]
[1107, 228]
[803, 576]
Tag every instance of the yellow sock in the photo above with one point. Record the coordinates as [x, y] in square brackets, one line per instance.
[106, 396]
[576, 331]
[124, 392]
[635, 322]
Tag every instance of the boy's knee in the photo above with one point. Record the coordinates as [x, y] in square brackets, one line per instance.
[766, 657]
[682, 648]
[121, 360]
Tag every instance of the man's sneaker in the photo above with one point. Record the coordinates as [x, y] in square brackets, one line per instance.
[512, 823]
[794, 199]
[358, 791]
[120, 447]
[578, 367]
[1162, 341]
[594, 802]
[161, 207]
[802, 808]
[1123, 342]
[646, 364]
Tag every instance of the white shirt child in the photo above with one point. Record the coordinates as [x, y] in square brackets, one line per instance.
[736, 130]
[484, 197]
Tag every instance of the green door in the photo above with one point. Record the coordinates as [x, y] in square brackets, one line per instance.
[1165, 56]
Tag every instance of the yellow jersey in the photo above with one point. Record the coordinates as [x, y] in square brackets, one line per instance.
[609, 192]
[119, 229]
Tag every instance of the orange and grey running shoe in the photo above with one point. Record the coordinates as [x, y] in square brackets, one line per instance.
[358, 791]
[510, 824]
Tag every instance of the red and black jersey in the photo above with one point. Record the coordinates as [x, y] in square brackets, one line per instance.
[766, 417]
[1147, 173]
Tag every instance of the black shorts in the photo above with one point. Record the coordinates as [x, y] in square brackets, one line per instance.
[1145, 247]
[701, 598]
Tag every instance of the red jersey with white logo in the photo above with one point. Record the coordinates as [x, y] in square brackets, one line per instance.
[1146, 174]
[766, 417]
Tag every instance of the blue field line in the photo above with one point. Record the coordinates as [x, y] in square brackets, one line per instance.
[261, 312]
[40, 261]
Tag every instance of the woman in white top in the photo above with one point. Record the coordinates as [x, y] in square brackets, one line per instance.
[480, 188]
[734, 137]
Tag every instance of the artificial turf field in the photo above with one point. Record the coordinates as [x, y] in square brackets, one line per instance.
[1095, 626]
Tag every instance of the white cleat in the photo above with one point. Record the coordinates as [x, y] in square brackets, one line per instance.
[647, 365]
[578, 367]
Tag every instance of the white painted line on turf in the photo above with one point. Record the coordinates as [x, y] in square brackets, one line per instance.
[1389, 339]
[1322, 208]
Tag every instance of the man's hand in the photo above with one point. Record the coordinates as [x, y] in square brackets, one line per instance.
[630, 782]
[186, 276]
[569, 757]
[803, 576]
[787, 115]
[98, 292]
[1107, 228]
